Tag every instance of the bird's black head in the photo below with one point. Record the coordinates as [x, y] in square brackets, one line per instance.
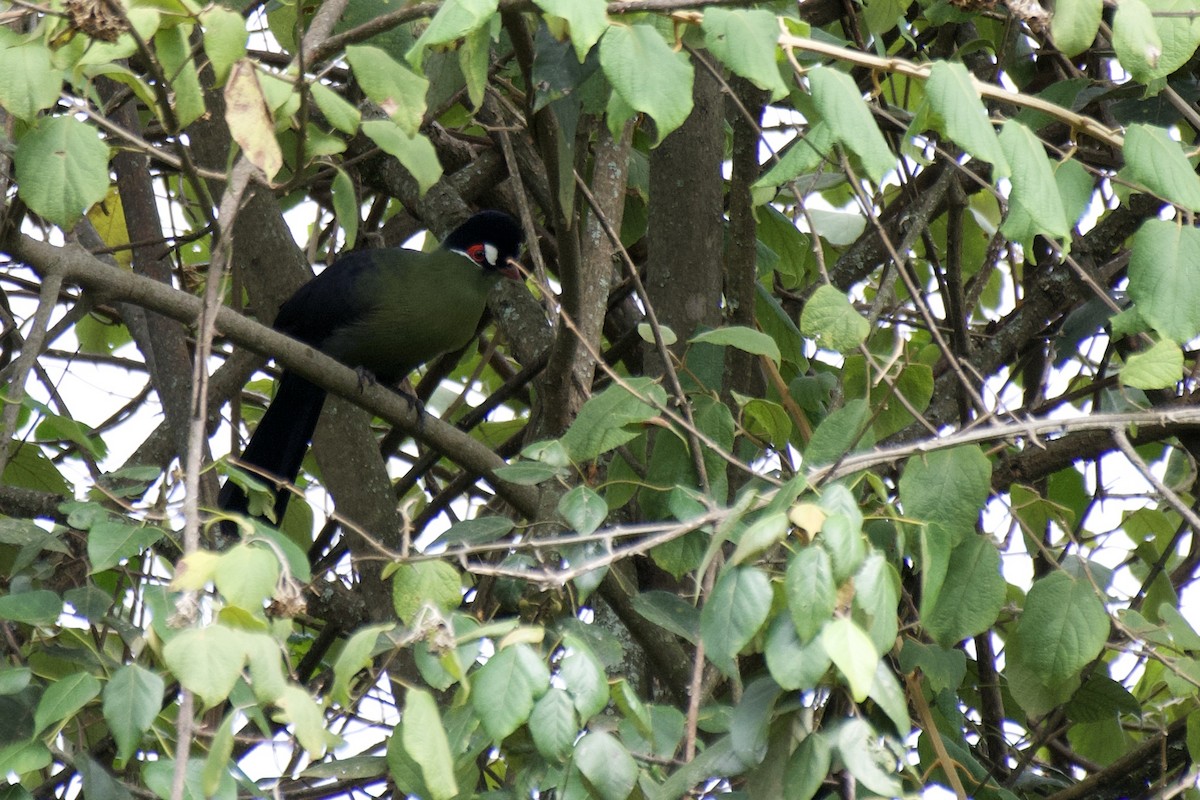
[492, 239]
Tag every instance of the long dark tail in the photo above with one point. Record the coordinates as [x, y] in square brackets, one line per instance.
[280, 441]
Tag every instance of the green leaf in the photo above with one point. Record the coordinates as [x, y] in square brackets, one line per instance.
[584, 678]
[224, 39]
[220, 753]
[505, 688]
[453, 20]
[842, 106]
[807, 767]
[837, 434]
[527, 473]
[1155, 160]
[247, 575]
[811, 593]
[853, 654]
[647, 74]
[804, 155]
[418, 583]
[745, 40]
[132, 700]
[971, 596]
[588, 20]
[607, 768]
[23, 757]
[867, 758]
[343, 116]
[13, 680]
[355, 656]
[670, 612]
[424, 738]
[62, 169]
[829, 318]
[745, 339]
[1062, 627]
[1178, 30]
[111, 541]
[947, 489]
[612, 418]
[1075, 24]
[398, 90]
[174, 49]
[553, 725]
[1136, 41]
[207, 661]
[414, 151]
[63, 698]
[732, 615]
[749, 727]
[763, 533]
[1034, 204]
[480, 530]
[28, 81]
[583, 509]
[1164, 278]
[889, 696]
[37, 607]
[306, 718]
[1157, 368]
[345, 206]
[956, 101]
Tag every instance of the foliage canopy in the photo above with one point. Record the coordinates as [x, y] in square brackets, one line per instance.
[841, 442]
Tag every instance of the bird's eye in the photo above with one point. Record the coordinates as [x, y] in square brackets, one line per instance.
[477, 253]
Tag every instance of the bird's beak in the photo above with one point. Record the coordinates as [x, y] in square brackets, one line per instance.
[512, 269]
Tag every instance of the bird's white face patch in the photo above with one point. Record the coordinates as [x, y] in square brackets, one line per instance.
[492, 253]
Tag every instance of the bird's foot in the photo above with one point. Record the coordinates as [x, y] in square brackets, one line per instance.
[365, 378]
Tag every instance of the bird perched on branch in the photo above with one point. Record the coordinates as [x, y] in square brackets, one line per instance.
[385, 313]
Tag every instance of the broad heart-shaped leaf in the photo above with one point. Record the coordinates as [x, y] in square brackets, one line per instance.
[1178, 32]
[647, 74]
[842, 106]
[424, 738]
[28, 82]
[745, 40]
[398, 90]
[504, 689]
[964, 119]
[837, 433]
[247, 575]
[419, 582]
[1157, 368]
[207, 661]
[743, 338]
[62, 169]
[132, 699]
[971, 596]
[414, 152]
[1164, 278]
[947, 490]
[601, 423]
[1155, 160]
[588, 20]
[109, 541]
[63, 698]
[1075, 24]
[811, 593]
[453, 20]
[1136, 41]
[606, 766]
[829, 318]
[733, 613]
[1034, 204]
[583, 676]
[1062, 628]
[853, 654]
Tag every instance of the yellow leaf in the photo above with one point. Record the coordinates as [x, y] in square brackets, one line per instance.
[249, 119]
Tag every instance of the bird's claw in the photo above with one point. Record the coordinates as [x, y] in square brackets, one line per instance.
[365, 378]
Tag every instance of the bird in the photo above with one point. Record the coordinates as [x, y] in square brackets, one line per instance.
[384, 312]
